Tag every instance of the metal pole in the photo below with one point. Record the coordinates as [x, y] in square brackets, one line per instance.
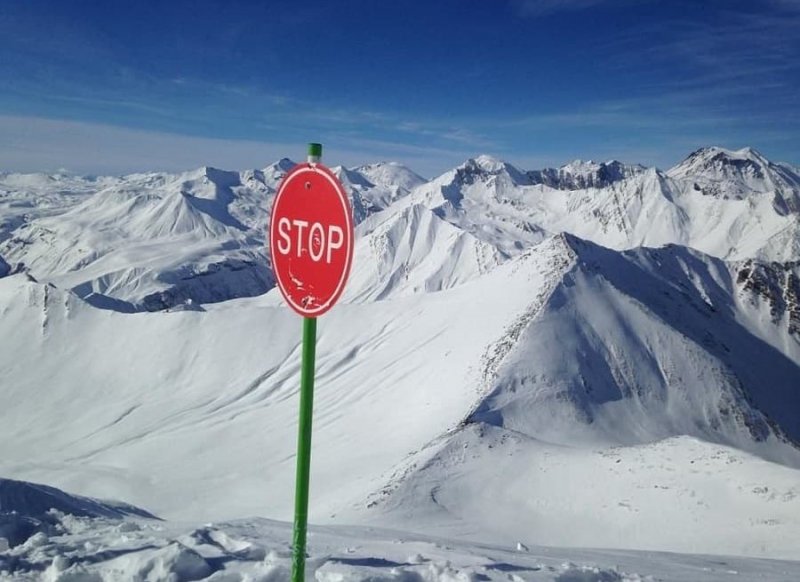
[304, 431]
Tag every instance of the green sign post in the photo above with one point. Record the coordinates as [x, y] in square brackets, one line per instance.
[311, 247]
[304, 449]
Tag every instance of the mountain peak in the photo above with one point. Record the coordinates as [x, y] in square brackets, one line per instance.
[748, 152]
[391, 176]
[380, 165]
[485, 166]
[282, 165]
[719, 155]
[579, 164]
[352, 177]
[738, 175]
[580, 174]
[488, 163]
[221, 177]
[275, 171]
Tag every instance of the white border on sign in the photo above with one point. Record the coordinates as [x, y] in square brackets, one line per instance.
[343, 200]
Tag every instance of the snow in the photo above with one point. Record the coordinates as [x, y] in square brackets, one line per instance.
[31, 509]
[579, 174]
[154, 241]
[179, 234]
[641, 208]
[391, 175]
[518, 371]
[678, 493]
[740, 174]
[101, 549]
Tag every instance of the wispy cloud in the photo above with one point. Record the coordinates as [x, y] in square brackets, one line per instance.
[240, 111]
[371, 123]
[786, 4]
[739, 50]
[540, 7]
[36, 144]
[533, 8]
[139, 106]
[736, 84]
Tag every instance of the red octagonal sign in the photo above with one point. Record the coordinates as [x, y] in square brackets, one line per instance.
[311, 239]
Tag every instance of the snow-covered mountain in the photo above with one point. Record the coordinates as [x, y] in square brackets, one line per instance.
[578, 174]
[508, 342]
[375, 186]
[691, 337]
[155, 241]
[740, 175]
[500, 204]
[151, 240]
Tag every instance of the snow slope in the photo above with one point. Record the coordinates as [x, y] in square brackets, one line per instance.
[646, 344]
[166, 410]
[682, 494]
[143, 387]
[415, 251]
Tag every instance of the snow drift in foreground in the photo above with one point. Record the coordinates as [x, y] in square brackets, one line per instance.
[81, 548]
[29, 508]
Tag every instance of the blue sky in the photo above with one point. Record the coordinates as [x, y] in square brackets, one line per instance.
[112, 86]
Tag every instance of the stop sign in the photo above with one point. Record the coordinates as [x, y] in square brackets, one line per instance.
[311, 239]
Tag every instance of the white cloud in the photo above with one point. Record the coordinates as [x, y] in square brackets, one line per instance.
[36, 144]
[32, 144]
[542, 7]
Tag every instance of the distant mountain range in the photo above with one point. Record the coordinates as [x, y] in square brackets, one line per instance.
[153, 241]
